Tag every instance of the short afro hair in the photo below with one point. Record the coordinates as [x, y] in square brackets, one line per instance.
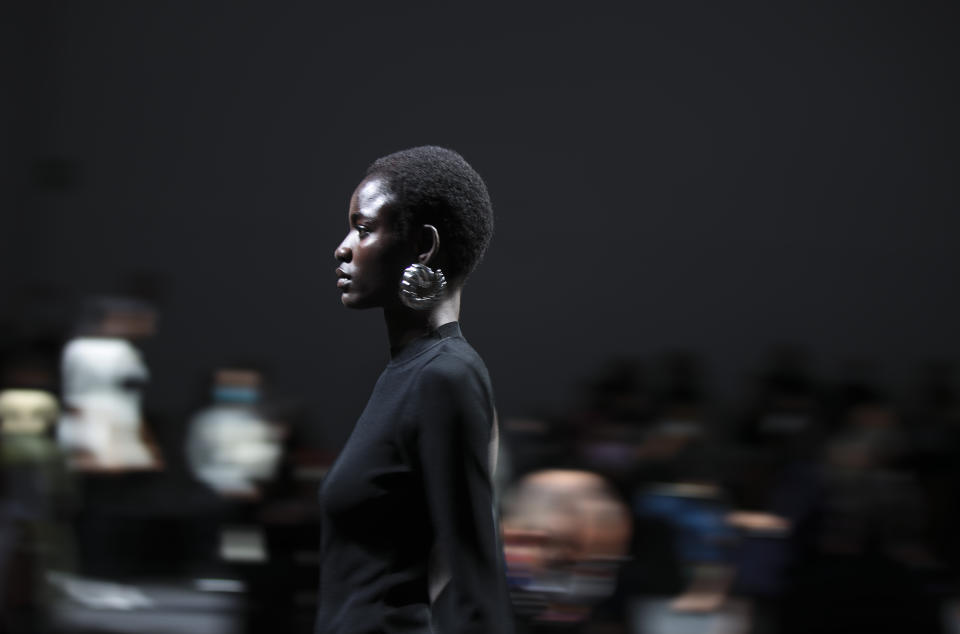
[438, 187]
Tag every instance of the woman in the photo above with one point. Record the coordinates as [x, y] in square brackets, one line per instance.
[409, 537]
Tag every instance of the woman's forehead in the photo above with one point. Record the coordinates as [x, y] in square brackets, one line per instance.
[372, 195]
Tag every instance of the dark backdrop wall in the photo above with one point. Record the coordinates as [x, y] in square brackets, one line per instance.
[717, 177]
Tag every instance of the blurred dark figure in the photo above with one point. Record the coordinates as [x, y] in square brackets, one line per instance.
[234, 451]
[109, 444]
[680, 505]
[611, 428]
[774, 480]
[864, 561]
[934, 424]
[35, 492]
[260, 530]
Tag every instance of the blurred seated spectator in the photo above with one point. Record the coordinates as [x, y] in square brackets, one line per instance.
[565, 535]
[103, 376]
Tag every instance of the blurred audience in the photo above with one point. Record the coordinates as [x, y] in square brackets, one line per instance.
[809, 507]
[649, 506]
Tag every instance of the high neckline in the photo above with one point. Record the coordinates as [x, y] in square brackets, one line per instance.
[424, 342]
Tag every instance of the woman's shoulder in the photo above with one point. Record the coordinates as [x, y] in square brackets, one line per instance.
[452, 385]
[454, 358]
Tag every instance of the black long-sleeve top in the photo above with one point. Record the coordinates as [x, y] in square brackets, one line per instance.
[409, 540]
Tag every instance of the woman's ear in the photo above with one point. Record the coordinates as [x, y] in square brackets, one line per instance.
[429, 244]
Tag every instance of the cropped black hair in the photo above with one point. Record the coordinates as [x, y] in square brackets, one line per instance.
[437, 186]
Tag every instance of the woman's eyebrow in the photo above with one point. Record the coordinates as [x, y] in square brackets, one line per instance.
[356, 216]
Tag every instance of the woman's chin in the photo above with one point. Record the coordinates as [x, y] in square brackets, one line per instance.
[351, 300]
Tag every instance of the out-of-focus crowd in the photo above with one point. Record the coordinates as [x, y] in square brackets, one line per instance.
[104, 530]
[649, 506]
[809, 506]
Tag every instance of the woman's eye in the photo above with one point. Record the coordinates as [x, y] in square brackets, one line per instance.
[362, 231]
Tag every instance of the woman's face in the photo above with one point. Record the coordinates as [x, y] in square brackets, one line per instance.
[373, 255]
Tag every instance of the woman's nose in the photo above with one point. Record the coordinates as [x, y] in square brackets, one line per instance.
[342, 253]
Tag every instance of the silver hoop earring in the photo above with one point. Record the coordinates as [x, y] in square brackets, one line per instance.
[421, 286]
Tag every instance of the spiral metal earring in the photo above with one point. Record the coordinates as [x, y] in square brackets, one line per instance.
[421, 286]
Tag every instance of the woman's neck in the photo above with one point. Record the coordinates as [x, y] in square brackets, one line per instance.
[406, 324]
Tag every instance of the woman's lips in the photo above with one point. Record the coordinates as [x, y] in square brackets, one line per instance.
[343, 280]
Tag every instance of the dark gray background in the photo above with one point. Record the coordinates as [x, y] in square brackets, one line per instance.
[717, 177]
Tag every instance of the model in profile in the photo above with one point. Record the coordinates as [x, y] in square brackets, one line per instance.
[409, 537]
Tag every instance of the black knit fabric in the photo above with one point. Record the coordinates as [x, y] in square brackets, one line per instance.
[409, 504]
